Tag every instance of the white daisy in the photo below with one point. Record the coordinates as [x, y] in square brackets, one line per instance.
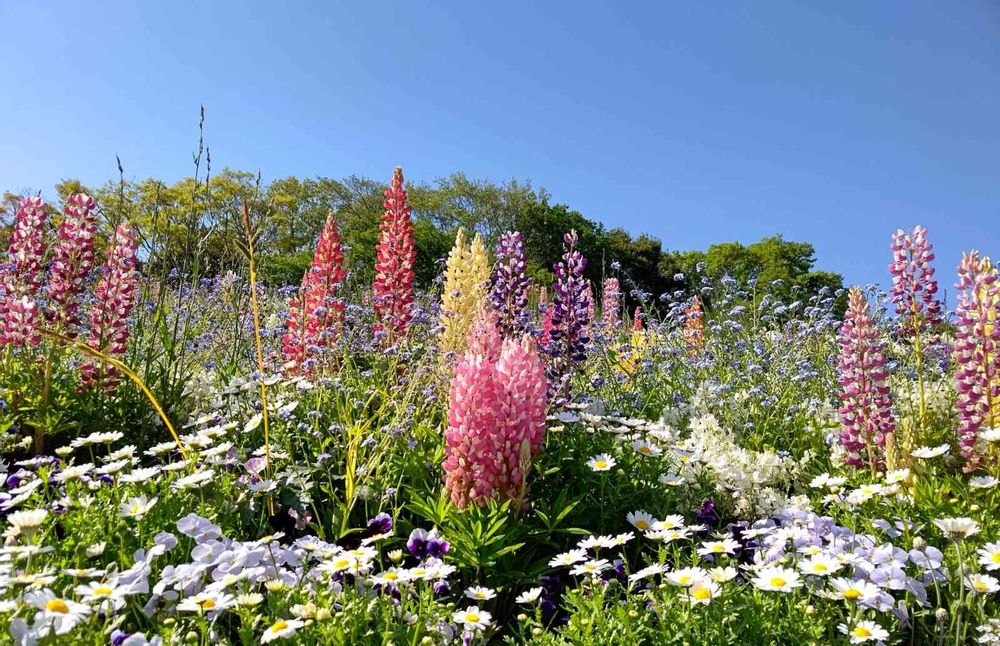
[777, 579]
[472, 618]
[480, 593]
[281, 629]
[641, 520]
[530, 597]
[601, 462]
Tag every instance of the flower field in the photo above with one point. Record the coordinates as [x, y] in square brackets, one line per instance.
[204, 458]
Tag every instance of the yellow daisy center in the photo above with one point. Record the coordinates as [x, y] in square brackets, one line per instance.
[600, 464]
[641, 524]
[684, 578]
[278, 626]
[980, 585]
[392, 576]
[702, 593]
[57, 605]
[852, 593]
[472, 618]
[207, 604]
[778, 582]
[101, 591]
[820, 567]
[995, 557]
[861, 631]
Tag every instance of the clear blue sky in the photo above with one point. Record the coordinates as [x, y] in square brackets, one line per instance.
[697, 122]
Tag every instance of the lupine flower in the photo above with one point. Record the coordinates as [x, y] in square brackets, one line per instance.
[866, 406]
[977, 341]
[113, 303]
[694, 326]
[395, 254]
[611, 304]
[509, 284]
[568, 337]
[496, 421]
[21, 276]
[72, 261]
[637, 319]
[465, 281]
[914, 290]
[316, 313]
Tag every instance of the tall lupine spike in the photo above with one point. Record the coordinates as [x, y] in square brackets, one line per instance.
[113, 304]
[21, 275]
[977, 354]
[316, 313]
[568, 340]
[637, 319]
[611, 305]
[71, 264]
[395, 255]
[496, 419]
[914, 289]
[588, 296]
[466, 277]
[694, 326]
[865, 403]
[509, 284]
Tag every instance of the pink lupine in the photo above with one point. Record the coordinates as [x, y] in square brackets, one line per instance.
[316, 313]
[865, 403]
[976, 348]
[21, 275]
[113, 304]
[485, 337]
[71, 264]
[637, 319]
[914, 289]
[611, 305]
[496, 419]
[395, 255]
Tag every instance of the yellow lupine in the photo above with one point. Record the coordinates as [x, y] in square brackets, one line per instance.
[465, 283]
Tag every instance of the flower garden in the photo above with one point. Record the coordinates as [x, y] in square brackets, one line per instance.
[493, 460]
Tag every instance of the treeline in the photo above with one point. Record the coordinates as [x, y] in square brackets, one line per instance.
[196, 225]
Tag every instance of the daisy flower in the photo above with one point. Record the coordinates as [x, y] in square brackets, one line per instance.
[569, 558]
[592, 567]
[27, 522]
[687, 576]
[530, 597]
[392, 576]
[592, 542]
[648, 571]
[819, 565]
[641, 520]
[982, 583]
[674, 521]
[207, 603]
[777, 579]
[927, 453]
[714, 548]
[989, 556]
[646, 448]
[723, 574]
[55, 614]
[479, 593]
[281, 629]
[601, 462]
[472, 618]
[898, 475]
[137, 507]
[852, 589]
[957, 528]
[672, 479]
[865, 631]
[701, 592]
[983, 482]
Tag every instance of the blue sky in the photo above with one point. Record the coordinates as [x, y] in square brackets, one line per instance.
[697, 122]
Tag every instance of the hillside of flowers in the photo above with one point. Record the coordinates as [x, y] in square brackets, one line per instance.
[192, 458]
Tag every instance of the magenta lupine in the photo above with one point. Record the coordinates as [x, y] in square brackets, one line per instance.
[865, 403]
[914, 289]
[509, 283]
[316, 313]
[114, 300]
[71, 264]
[21, 275]
[496, 420]
[395, 255]
[611, 305]
[976, 347]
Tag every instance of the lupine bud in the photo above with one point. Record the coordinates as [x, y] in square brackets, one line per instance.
[316, 313]
[395, 254]
[611, 305]
[21, 275]
[496, 419]
[465, 282]
[694, 326]
[509, 284]
[114, 300]
[72, 262]
[914, 290]
[865, 402]
[568, 338]
[977, 341]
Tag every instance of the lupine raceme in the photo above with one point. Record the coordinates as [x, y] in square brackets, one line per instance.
[21, 275]
[466, 279]
[316, 313]
[71, 264]
[976, 347]
[568, 338]
[509, 284]
[694, 326]
[865, 403]
[496, 417]
[114, 300]
[611, 305]
[395, 254]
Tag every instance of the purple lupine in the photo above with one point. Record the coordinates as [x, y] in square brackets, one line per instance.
[509, 284]
[611, 305]
[567, 346]
[21, 276]
[977, 340]
[72, 261]
[115, 298]
[865, 402]
[914, 289]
